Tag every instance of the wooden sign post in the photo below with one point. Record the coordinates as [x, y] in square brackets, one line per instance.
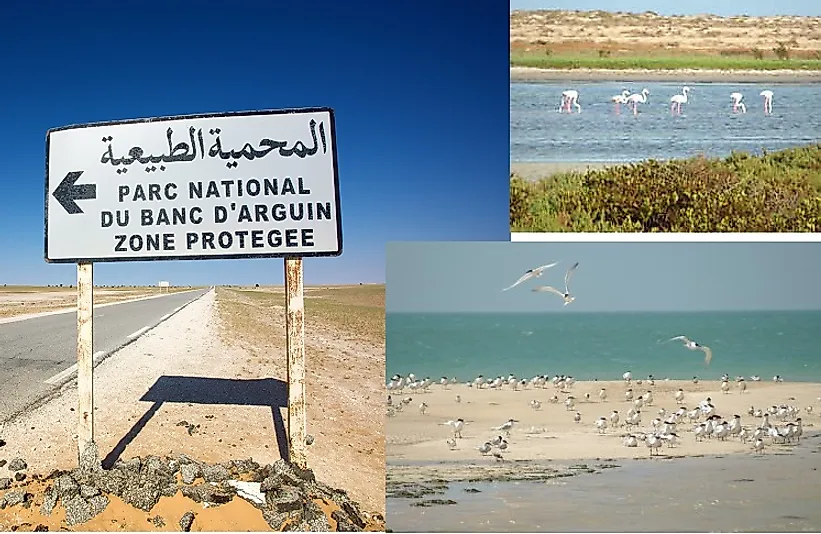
[230, 201]
[295, 346]
[85, 353]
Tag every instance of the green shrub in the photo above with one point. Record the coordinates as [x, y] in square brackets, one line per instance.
[774, 192]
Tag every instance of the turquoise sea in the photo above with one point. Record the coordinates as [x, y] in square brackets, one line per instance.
[603, 346]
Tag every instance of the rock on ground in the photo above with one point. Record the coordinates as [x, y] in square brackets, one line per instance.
[18, 464]
[284, 493]
[186, 521]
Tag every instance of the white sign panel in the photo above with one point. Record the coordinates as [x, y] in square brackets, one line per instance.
[257, 184]
[163, 283]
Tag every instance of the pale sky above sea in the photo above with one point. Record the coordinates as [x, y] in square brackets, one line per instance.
[612, 277]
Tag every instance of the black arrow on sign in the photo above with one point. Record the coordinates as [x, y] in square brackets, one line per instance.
[68, 191]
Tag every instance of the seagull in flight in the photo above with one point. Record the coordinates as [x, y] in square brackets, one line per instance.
[568, 298]
[692, 345]
[532, 273]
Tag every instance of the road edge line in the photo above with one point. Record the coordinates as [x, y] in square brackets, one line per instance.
[58, 386]
[26, 317]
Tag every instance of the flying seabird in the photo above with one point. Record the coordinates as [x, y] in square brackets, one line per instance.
[692, 345]
[531, 273]
[568, 298]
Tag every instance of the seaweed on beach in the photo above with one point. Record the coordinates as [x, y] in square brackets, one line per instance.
[433, 502]
[774, 192]
[415, 491]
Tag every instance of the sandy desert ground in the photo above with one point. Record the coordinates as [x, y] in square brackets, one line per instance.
[551, 433]
[29, 301]
[630, 36]
[618, 32]
[204, 384]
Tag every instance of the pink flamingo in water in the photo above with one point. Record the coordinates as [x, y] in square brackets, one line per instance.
[677, 100]
[737, 104]
[768, 101]
[570, 98]
[620, 99]
[638, 98]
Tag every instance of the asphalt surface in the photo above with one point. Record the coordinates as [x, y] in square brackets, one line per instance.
[36, 355]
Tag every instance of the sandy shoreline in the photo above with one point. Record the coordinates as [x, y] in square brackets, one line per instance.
[735, 493]
[550, 433]
[555, 471]
[536, 170]
[530, 74]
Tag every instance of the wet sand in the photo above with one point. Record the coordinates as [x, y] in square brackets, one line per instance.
[776, 492]
[551, 433]
[535, 171]
[529, 74]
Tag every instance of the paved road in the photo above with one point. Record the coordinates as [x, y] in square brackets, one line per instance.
[37, 354]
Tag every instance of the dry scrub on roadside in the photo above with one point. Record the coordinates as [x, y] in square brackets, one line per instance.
[344, 330]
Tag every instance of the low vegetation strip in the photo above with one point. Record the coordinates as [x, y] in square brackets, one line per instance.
[774, 192]
[356, 311]
[692, 62]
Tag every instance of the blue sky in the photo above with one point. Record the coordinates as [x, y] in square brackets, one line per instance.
[470, 276]
[691, 7]
[419, 89]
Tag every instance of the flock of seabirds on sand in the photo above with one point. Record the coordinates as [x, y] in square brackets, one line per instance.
[779, 424]
[570, 100]
[707, 423]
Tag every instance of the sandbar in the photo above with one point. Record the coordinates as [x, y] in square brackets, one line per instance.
[551, 434]
[536, 170]
[532, 74]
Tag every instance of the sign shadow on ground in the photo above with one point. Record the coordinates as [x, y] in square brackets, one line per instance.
[268, 392]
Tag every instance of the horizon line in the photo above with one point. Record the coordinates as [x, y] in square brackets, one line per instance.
[486, 312]
[540, 9]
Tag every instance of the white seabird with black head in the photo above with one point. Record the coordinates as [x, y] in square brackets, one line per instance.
[566, 296]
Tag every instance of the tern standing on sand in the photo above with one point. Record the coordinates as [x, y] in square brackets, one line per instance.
[457, 425]
[506, 426]
[692, 345]
[531, 273]
[568, 298]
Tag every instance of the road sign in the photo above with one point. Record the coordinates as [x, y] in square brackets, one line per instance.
[261, 184]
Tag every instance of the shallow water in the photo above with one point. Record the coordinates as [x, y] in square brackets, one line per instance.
[770, 493]
[707, 125]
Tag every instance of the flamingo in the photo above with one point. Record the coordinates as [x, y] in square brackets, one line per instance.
[620, 99]
[637, 99]
[768, 100]
[569, 98]
[678, 100]
[737, 104]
